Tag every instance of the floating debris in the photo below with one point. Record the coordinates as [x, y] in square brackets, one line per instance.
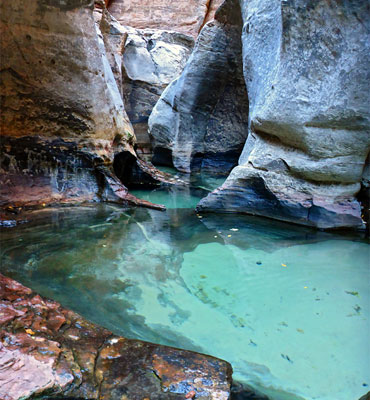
[251, 343]
[352, 293]
[30, 331]
[259, 263]
[286, 357]
[300, 330]
[228, 235]
[283, 265]
[234, 229]
[357, 308]
[305, 287]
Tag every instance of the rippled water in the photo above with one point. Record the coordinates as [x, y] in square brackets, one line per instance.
[286, 305]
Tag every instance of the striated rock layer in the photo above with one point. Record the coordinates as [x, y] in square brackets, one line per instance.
[62, 115]
[306, 71]
[46, 350]
[186, 17]
[200, 121]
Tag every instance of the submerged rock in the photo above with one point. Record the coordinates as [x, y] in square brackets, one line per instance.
[46, 350]
[306, 70]
[200, 121]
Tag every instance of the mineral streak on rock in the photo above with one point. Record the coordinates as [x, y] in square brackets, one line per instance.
[37, 171]
[48, 350]
[306, 70]
[186, 17]
[201, 119]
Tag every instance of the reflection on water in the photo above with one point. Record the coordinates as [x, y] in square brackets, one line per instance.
[287, 306]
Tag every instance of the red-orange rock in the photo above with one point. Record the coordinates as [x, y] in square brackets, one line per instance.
[185, 16]
[63, 355]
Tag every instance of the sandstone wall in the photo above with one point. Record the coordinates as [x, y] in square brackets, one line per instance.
[200, 121]
[62, 115]
[181, 16]
[306, 70]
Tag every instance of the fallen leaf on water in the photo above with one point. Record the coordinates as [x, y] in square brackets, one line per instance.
[352, 293]
[283, 265]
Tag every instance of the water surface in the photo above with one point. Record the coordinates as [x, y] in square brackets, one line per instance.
[287, 306]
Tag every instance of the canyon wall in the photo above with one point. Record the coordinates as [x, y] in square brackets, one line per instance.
[62, 115]
[186, 17]
[306, 71]
[200, 121]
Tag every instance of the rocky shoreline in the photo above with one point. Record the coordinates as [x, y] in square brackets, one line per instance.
[46, 350]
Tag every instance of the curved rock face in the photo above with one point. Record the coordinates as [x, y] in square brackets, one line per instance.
[200, 121]
[181, 16]
[306, 70]
[55, 78]
[62, 115]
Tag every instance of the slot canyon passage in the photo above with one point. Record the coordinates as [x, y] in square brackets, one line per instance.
[184, 199]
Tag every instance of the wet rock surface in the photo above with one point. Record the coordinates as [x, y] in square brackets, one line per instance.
[305, 67]
[37, 172]
[200, 121]
[47, 351]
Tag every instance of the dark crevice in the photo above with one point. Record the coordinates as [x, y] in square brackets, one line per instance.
[131, 172]
[162, 156]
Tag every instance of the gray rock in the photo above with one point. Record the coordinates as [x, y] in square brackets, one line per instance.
[306, 70]
[143, 62]
[201, 119]
[151, 60]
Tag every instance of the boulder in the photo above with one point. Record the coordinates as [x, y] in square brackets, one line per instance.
[151, 60]
[143, 62]
[186, 17]
[47, 350]
[200, 121]
[306, 70]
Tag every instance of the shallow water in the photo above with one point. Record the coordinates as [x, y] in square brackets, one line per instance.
[287, 306]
